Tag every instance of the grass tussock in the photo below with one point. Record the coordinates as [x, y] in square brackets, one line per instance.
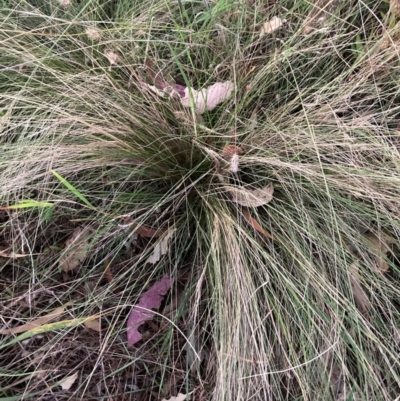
[311, 314]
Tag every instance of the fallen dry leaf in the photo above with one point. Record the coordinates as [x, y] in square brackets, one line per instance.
[161, 248]
[209, 98]
[395, 7]
[204, 99]
[65, 3]
[361, 298]
[179, 397]
[230, 150]
[141, 229]
[68, 381]
[76, 249]
[148, 232]
[93, 33]
[141, 312]
[93, 325]
[270, 26]
[35, 323]
[154, 89]
[108, 275]
[379, 247]
[253, 222]
[193, 358]
[252, 198]
[338, 384]
[112, 58]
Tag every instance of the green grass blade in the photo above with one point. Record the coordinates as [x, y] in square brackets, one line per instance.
[26, 204]
[72, 189]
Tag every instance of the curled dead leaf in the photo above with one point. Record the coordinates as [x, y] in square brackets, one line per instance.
[154, 89]
[161, 248]
[270, 26]
[93, 33]
[209, 98]
[142, 312]
[378, 245]
[203, 100]
[251, 198]
[68, 381]
[112, 57]
[179, 397]
[76, 249]
[93, 325]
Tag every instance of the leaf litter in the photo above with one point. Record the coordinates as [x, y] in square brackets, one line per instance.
[378, 245]
[252, 198]
[207, 99]
[179, 397]
[35, 323]
[254, 223]
[112, 57]
[203, 100]
[93, 33]
[161, 248]
[142, 312]
[93, 325]
[272, 25]
[68, 381]
[76, 249]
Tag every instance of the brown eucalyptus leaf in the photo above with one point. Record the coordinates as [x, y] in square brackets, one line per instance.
[68, 381]
[270, 26]
[338, 384]
[93, 325]
[254, 223]
[161, 248]
[93, 33]
[76, 249]
[252, 198]
[378, 245]
[208, 98]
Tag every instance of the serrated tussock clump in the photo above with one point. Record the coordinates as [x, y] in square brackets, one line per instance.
[244, 157]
